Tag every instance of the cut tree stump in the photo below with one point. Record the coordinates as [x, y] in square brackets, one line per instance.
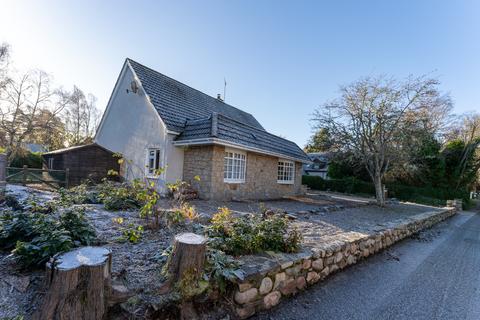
[188, 255]
[79, 286]
[187, 260]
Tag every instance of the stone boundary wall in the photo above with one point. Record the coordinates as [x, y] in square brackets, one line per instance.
[267, 284]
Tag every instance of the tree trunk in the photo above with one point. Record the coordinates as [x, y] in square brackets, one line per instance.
[188, 256]
[78, 285]
[379, 194]
[187, 262]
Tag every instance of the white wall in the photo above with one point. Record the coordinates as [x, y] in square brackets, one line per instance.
[130, 125]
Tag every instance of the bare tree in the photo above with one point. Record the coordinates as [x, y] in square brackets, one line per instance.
[23, 99]
[370, 115]
[4, 60]
[81, 116]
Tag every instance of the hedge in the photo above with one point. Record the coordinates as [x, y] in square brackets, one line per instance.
[30, 159]
[424, 195]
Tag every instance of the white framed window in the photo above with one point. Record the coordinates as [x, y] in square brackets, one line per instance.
[153, 161]
[286, 171]
[234, 166]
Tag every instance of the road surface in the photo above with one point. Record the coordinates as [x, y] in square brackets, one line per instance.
[435, 275]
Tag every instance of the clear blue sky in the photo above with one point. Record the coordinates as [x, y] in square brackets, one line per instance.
[281, 58]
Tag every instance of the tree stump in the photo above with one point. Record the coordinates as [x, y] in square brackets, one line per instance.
[186, 263]
[188, 255]
[78, 285]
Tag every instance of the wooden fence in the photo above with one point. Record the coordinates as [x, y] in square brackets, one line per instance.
[53, 178]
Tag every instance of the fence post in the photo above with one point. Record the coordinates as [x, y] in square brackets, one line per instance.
[24, 175]
[67, 177]
[3, 175]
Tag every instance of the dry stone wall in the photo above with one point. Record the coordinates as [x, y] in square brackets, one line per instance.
[267, 281]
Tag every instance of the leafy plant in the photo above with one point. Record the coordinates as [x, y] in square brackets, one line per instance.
[36, 206]
[74, 222]
[36, 237]
[220, 268]
[118, 196]
[45, 244]
[254, 234]
[81, 194]
[12, 202]
[131, 232]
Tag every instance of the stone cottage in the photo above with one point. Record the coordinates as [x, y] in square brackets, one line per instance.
[157, 122]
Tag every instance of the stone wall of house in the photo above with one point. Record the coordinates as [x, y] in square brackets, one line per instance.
[260, 179]
[271, 281]
[197, 161]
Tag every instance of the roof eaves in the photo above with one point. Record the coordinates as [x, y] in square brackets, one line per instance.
[212, 140]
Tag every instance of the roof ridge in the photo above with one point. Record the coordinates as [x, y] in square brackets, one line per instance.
[206, 94]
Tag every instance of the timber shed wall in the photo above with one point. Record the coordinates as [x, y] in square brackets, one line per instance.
[87, 162]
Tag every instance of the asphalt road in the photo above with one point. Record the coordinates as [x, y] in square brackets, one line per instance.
[435, 275]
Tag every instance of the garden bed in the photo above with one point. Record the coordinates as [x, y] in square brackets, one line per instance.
[323, 221]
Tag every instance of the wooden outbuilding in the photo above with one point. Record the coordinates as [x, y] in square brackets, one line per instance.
[90, 161]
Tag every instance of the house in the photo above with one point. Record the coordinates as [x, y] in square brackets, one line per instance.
[35, 147]
[157, 122]
[84, 162]
[318, 166]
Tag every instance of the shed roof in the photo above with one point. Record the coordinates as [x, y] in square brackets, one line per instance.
[73, 148]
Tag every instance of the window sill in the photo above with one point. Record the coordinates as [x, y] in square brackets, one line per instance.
[233, 181]
[285, 182]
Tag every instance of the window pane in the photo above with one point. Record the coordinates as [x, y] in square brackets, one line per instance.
[157, 159]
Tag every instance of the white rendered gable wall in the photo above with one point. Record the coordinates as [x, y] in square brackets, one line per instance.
[130, 126]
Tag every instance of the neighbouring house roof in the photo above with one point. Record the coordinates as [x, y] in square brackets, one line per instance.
[64, 150]
[319, 162]
[202, 119]
[176, 102]
[322, 156]
[35, 147]
[221, 129]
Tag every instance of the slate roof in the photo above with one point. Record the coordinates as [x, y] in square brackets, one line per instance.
[177, 102]
[230, 130]
[196, 115]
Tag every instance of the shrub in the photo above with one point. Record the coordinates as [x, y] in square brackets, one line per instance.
[27, 158]
[131, 232]
[37, 237]
[118, 196]
[80, 194]
[74, 222]
[219, 268]
[254, 234]
[428, 195]
[12, 202]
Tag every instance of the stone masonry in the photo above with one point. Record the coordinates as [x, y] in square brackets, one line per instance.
[260, 179]
[269, 280]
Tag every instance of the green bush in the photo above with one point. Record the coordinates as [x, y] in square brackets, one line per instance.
[246, 235]
[37, 237]
[80, 194]
[436, 196]
[118, 196]
[27, 158]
